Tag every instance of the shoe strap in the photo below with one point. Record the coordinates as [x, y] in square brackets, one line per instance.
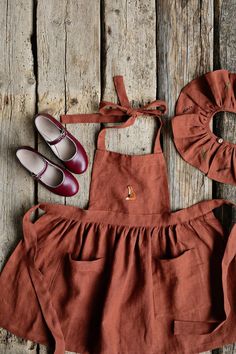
[38, 175]
[62, 135]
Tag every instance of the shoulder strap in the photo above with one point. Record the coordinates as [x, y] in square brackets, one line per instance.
[110, 112]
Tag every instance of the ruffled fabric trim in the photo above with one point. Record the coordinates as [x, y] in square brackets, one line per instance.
[198, 102]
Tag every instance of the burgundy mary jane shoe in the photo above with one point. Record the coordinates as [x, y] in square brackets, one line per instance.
[51, 176]
[64, 145]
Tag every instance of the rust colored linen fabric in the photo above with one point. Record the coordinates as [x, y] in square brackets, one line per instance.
[127, 275]
[197, 104]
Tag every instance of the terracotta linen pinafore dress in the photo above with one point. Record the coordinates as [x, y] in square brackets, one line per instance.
[126, 276]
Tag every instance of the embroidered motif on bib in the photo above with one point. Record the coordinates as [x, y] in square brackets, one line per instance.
[131, 193]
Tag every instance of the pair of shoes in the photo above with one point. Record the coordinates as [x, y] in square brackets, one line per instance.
[67, 149]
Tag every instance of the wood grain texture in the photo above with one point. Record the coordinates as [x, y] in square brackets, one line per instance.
[69, 74]
[51, 41]
[185, 50]
[82, 79]
[227, 349]
[129, 50]
[17, 104]
[11, 344]
[225, 123]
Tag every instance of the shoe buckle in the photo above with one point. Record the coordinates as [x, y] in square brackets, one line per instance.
[62, 133]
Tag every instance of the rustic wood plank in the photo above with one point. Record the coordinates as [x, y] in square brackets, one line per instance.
[225, 123]
[10, 344]
[69, 74]
[82, 79]
[185, 50]
[129, 49]
[51, 41]
[227, 349]
[17, 105]
[18, 348]
[225, 47]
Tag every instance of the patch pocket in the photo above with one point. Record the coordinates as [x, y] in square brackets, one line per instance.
[78, 291]
[92, 264]
[178, 283]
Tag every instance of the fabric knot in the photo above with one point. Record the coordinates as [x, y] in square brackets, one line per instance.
[110, 112]
[132, 112]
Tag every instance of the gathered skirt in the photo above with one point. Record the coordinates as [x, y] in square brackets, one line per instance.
[114, 283]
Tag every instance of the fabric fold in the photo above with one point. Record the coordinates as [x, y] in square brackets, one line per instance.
[41, 289]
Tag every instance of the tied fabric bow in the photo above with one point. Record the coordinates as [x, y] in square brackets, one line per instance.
[155, 108]
[110, 112]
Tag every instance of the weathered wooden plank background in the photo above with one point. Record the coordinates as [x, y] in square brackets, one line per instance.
[61, 56]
